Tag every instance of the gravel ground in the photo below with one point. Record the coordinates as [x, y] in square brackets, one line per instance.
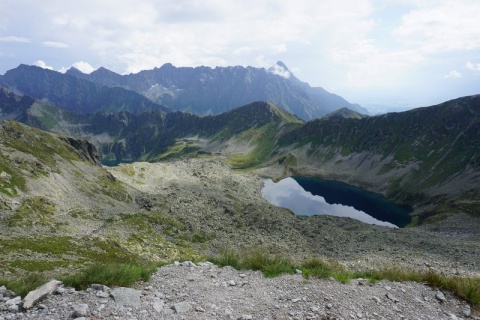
[204, 291]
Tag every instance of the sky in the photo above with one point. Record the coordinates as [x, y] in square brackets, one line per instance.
[386, 55]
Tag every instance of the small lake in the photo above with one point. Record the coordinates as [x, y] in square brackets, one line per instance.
[307, 196]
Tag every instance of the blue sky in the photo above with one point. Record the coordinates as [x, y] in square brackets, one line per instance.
[382, 54]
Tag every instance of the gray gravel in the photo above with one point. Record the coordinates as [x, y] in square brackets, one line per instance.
[205, 291]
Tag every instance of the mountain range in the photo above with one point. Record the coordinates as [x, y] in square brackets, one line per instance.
[74, 94]
[200, 90]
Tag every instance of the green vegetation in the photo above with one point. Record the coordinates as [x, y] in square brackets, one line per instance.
[274, 265]
[11, 180]
[467, 203]
[36, 142]
[111, 274]
[263, 138]
[255, 259]
[51, 252]
[33, 211]
[181, 149]
[23, 284]
[47, 116]
[148, 222]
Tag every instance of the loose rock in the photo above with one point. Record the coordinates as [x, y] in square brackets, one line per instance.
[126, 296]
[81, 310]
[182, 307]
[40, 293]
[440, 296]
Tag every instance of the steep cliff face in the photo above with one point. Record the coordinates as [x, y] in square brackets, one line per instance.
[86, 150]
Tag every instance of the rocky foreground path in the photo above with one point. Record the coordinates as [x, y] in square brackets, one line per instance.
[205, 291]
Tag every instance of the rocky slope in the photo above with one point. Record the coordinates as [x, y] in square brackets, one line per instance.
[204, 291]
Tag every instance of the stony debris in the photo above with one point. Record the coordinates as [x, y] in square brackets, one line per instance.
[467, 312]
[180, 292]
[6, 293]
[182, 307]
[13, 304]
[440, 296]
[126, 296]
[81, 310]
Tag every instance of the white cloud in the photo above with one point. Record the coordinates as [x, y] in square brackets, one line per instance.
[42, 64]
[435, 26]
[280, 71]
[15, 39]
[454, 74]
[54, 44]
[83, 66]
[472, 66]
[242, 51]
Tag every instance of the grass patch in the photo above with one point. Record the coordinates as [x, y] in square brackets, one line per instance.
[111, 274]
[270, 265]
[465, 288]
[22, 285]
[255, 259]
[263, 138]
[227, 257]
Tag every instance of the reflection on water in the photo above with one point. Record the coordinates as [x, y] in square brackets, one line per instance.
[289, 194]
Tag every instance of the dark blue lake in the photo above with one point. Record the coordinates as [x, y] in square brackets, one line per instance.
[307, 196]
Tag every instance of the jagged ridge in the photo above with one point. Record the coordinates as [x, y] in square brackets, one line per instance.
[206, 91]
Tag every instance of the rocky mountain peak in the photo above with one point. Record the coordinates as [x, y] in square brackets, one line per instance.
[74, 72]
[280, 69]
[104, 71]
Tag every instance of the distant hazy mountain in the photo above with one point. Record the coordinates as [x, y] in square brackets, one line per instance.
[207, 91]
[74, 94]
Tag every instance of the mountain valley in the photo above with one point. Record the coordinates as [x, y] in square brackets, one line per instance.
[93, 171]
